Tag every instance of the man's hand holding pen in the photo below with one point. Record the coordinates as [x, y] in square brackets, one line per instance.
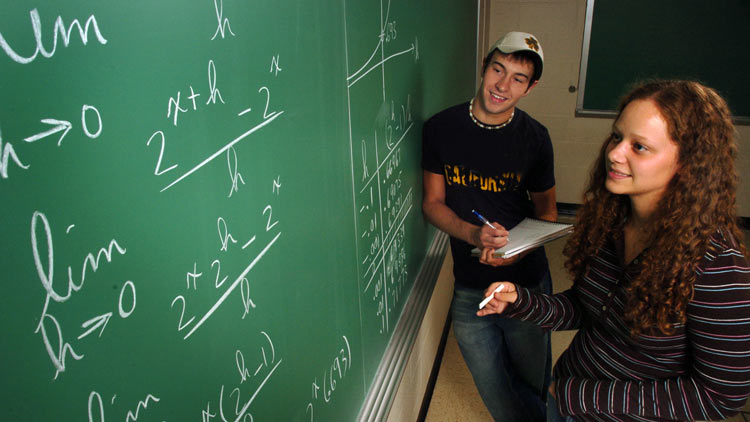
[494, 236]
[489, 235]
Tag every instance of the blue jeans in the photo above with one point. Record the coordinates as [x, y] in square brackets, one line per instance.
[508, 359]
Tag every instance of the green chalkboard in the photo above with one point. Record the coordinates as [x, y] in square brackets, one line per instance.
[627, 41]
[211, 209]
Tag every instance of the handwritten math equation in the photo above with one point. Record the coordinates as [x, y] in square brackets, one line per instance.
[226, 240]
[56, 128]
[88, 273]
[64, 336]
[382, 199]
[253, 376]
[49, 327]
[322, 389]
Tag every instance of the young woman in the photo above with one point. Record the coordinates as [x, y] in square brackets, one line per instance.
[661, 292]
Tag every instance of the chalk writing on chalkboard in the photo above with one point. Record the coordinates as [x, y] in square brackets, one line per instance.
[7, 151]
[96, 407]
[64, 126]
[65, 33]
[46, 270]
[226, 238]
[223, 22]
[175, 107]
[382, 201]
[258, 374]
[337, 371]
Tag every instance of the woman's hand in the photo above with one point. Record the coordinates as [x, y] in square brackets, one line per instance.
[500, 299]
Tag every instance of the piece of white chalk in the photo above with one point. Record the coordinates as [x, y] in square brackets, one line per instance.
[489, 298]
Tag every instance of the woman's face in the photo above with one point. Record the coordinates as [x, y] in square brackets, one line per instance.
[641, 158]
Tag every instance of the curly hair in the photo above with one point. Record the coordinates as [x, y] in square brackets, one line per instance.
[699, 200]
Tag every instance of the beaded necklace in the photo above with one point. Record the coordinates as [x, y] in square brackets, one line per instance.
[484, 126]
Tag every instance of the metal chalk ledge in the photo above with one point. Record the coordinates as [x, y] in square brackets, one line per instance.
[388, 375]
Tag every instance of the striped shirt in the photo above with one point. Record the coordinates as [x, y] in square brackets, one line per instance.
[701, 372]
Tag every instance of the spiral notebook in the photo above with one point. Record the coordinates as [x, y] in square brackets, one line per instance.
[529, 234]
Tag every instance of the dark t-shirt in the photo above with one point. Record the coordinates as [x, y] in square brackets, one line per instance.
[491, 171]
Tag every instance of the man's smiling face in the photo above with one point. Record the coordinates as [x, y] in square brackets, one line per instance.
[504, 83]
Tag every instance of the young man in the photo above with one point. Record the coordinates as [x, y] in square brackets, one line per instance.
[489, 156]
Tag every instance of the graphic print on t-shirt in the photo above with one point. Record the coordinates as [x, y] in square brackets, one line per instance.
[459, 175]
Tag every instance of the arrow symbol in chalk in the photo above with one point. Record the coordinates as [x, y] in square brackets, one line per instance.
[96, 322]
[61, 125]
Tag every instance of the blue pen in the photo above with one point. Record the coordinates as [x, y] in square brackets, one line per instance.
[482, 219]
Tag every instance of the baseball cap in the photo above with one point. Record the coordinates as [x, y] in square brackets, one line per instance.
[514, 41]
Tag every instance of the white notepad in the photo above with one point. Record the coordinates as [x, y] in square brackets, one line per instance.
[529, 234]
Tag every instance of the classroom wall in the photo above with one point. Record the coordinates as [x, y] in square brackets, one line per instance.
[559, 26]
